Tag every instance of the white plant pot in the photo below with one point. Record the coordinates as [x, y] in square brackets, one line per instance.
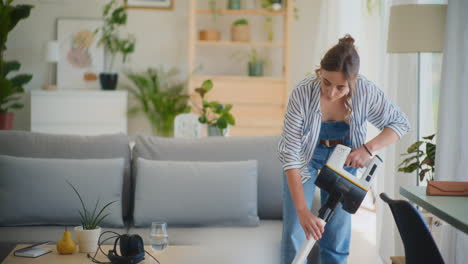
[87, 239]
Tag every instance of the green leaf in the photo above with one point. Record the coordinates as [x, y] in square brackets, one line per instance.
[414, 147]
[81, 200]
[10, 66]
[20, 80]
[431, 150]
[410, 168]
[407, 160]
[18, 13]
[221, 123]
[422, 173]
[202, 119]
[429, 137]
[207, 85]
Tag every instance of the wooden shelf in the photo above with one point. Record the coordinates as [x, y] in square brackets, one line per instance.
[238, 43]
[238, 78]
[243, 12]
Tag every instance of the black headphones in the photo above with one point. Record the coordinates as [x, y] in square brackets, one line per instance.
[131, 249]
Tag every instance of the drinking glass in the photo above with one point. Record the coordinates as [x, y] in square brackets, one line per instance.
[159, 239]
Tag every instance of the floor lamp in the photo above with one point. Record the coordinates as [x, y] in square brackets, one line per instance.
[417, 28]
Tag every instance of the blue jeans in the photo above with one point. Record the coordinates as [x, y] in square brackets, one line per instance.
[334, 245]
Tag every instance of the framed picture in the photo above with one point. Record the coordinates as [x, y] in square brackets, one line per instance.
[80, 60]
[150, 4]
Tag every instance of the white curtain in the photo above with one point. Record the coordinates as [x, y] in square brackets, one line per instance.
[452, 143]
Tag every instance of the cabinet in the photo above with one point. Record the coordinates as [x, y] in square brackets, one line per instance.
[79, 112]
[259, 102]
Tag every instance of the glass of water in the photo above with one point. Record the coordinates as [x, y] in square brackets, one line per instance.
[159, 239]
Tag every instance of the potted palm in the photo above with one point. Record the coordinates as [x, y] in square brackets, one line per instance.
[240, 30]
[212, 34]
[114, 16]
[215, 115]
[89, 231]
[10, 87]
[161, 98]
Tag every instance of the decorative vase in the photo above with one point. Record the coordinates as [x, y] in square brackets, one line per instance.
[164, 128]
[87, 239]
[108, 80]
[240, 33]
[6, 121]
[256, 68]
[234, 4]
[214, 131]
[210, 35]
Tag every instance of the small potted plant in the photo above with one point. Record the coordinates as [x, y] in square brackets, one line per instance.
[161, 98]
[10, 87]
[215, 115]
[420, 159]
[234, 4]
[212, 34]
[255, 64]
[89, 231]
[240, 30]
[114, 16]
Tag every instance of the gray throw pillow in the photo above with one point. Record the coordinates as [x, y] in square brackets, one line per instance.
[34, 191]
[41, 145]
[262, 148]
[196, 193]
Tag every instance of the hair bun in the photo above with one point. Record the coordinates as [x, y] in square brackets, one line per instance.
[346, 40]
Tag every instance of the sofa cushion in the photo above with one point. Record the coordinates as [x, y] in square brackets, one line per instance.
[39, 145]
[34, 191]
[196, 193]
[262, 149]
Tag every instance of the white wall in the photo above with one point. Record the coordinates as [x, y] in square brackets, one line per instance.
[161, 40]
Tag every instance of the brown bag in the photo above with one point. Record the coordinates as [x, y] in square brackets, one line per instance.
[447, 188]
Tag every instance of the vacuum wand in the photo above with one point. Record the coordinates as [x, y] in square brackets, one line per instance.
[342, 187]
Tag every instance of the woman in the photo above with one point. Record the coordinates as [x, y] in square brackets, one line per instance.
[324, 110]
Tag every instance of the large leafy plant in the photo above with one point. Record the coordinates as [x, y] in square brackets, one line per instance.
[90, 219]
[161, 98]
[213, 112]
[11, 87]
[422, 158]
[115, 16]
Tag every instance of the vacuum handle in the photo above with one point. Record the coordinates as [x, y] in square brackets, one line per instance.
[301, 255]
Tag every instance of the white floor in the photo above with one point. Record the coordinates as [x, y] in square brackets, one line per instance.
[363, 236]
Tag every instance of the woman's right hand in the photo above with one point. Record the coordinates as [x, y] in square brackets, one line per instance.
[310, 224]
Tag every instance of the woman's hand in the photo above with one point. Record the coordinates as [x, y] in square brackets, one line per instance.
[357, 158]
[311, 224]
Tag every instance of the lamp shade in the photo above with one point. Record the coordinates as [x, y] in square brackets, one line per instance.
[52, 52]
[416, 28]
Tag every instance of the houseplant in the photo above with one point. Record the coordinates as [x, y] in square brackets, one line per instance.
[212, 34]
[423, 158]
[240, 30]
[215, 115]
[114, 17]
[10, 87]
[161, 98]
[255, 63]
[234, 4]
[89, 230]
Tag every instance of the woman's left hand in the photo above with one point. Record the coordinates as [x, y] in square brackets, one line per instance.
[357, 158]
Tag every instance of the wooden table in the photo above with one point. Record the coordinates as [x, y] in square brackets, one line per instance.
[172, 255]
[451, 209]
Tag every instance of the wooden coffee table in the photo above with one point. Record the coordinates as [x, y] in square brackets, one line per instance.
[172, 255]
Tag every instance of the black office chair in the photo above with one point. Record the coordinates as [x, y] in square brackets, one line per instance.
[417, 240]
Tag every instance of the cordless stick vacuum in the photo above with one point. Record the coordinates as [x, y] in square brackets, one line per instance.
[342, 187]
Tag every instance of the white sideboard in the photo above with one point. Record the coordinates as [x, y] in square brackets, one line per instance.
[79, 112]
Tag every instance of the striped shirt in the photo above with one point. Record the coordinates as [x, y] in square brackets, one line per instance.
[303, 120]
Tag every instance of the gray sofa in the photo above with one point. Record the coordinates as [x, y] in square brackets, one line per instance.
[241, 243]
